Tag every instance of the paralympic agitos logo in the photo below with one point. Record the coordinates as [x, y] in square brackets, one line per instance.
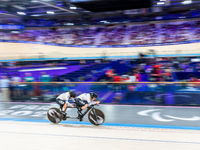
[156, 115]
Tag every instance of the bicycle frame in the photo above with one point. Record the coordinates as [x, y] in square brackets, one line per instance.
[95, 116]
[88, 109]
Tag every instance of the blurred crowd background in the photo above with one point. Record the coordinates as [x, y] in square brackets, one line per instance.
[144, 33]
[131, 80]
[42, 81]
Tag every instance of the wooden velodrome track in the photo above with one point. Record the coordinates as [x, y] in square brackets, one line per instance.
[45, 136]
[33, 51]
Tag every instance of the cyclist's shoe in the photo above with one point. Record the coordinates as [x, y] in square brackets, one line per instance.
[64, 115]
[80, 117]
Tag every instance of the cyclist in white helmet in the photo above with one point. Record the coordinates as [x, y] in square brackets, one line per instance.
[63, 100]
[84, 100]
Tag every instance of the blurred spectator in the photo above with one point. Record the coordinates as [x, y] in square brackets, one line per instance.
[97, 61]
[82, 63]
[16, 88]
[117, 78]
[12, 64]
[198, 67]
[125, 78]
[29, 78]
[29, 87]
[167, 75]
[45, 77]
[131, 78]
[156, 74]
[117, 98]
[194, 79]
[137, 76]
[5, 84]
[131, 87]
[110, 74]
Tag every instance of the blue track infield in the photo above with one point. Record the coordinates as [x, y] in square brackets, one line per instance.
[105, 124]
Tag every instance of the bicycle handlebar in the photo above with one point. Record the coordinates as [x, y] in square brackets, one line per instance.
[95, 104]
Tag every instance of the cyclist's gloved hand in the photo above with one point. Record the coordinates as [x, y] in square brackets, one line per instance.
[97, 102]
[94, 103]
[74, 105]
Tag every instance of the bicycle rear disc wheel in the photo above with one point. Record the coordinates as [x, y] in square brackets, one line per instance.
[96, 117]
[54, 115]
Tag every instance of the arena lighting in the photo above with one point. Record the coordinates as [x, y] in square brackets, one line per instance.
[195, 60]
[14, 31]
[187, 2]
[50, 12]
[104, 21]
[34, 1]
[69, 24]
[21, 13]
[35, 15]
[160, 3]
[73, 8]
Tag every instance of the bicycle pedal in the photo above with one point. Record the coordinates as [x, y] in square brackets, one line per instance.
[80, 119]
[64, 118]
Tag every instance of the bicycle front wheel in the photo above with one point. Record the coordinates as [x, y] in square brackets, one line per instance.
[96, 117]
[54, 115]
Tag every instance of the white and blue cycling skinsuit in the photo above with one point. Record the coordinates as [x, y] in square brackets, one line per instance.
[63, 98]
[85, 98]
